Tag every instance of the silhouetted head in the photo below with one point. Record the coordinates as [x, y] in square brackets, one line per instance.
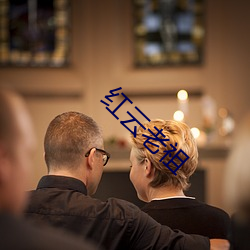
[16, 148]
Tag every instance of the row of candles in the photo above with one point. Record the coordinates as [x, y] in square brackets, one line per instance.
[225, 125]
[182, 112]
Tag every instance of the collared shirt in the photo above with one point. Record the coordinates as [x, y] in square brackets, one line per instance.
[115, 224]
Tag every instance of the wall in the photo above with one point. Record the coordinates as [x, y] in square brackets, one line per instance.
[102, 60]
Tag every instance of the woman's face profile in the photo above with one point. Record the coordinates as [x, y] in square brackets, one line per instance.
[138, 176]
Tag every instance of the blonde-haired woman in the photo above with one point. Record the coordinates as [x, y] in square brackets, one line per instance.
[237, 186]
[156, 181]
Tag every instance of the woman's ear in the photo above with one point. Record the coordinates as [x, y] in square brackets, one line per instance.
[148, 168]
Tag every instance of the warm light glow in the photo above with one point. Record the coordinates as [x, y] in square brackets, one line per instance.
[182, 95]
[195, 132]
[178, 116]
[223, 113]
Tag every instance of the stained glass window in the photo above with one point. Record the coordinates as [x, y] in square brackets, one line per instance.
[168, 32]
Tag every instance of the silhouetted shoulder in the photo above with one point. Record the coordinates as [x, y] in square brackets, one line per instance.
[17, 234]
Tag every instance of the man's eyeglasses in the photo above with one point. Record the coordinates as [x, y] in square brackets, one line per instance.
[105, 155]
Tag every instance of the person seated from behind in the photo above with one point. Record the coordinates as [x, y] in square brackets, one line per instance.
[163, 190]
[237, 186]
[75, 158]
[16, 148]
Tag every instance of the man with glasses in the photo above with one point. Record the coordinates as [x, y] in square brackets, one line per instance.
[75, 158]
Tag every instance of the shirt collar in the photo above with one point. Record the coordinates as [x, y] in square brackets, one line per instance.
[173, 197]
[62, 182]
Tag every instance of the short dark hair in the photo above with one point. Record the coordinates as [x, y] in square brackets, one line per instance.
[67, 139]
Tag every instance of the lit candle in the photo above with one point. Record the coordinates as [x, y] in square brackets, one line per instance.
[199, 136]
[178, 116]
[182, 96]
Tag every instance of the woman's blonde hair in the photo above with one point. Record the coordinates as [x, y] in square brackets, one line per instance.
[176, 132]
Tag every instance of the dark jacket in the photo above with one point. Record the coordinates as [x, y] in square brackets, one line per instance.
[114, 224]
[190, 216]
[16, 234]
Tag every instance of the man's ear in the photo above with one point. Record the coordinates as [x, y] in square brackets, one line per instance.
[91, 159]
[44, 155]
[148, 168]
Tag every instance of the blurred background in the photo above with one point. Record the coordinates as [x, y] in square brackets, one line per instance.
[99, 46]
